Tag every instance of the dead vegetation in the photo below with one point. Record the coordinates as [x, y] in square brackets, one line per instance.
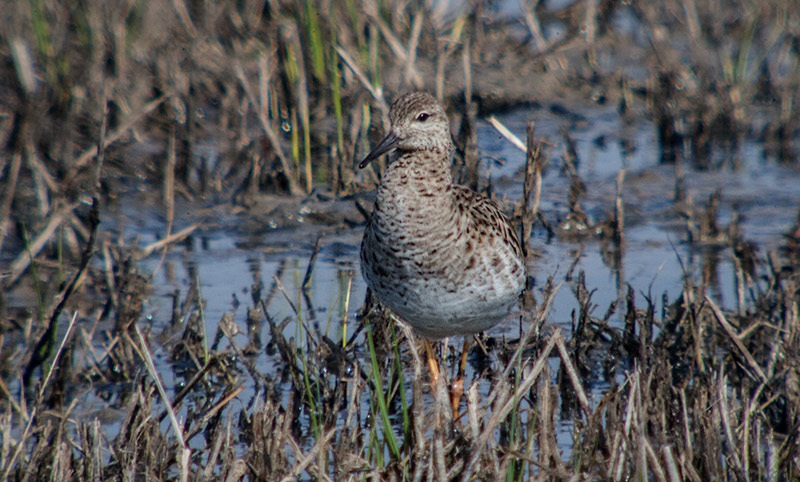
[98, 99]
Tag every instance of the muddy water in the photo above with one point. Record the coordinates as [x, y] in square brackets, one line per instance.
[229, 259]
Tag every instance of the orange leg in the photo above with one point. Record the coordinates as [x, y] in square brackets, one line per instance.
[432, 364]
[457, 387]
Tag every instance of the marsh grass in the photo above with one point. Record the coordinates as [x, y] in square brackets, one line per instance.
[291, 94]
[664, 403]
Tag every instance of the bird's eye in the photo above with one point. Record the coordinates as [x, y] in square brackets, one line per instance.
[423, 117]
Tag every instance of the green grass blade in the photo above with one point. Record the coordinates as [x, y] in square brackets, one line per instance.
[380, 397]
[315, 42]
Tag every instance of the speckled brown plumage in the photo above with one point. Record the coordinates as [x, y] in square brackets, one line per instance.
[442, 257]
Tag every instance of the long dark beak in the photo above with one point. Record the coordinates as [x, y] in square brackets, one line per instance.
[386, 145]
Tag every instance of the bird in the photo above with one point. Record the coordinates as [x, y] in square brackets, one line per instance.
[443, 258]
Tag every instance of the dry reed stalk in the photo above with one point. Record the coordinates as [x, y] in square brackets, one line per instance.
[222, 444]
[419, 420]
[23, 65]
[202, 423]
[285, 294]
[729, 330]
[16, 406]
[573, 375]
[375, 92]
[183, 456]
[505, 132]
[412, 76]
[116, 134]
[439, 471]
[504, 402]
[349, 158]
[741, 278]
[56, 357]
[108, 271]
[43, 347]
[466, 62]
[532, 186]
[11, 188]
[21, 263]
[671, 465]
[442, 409]
[32, 416]
[442, 54]
[45, 182]
[654, 463]
[237, 472]
[620, 445]
[171, 239]
[722, 406]
[371, 10]
[535, 28]
[168, 190]
[101, 140]
[304, 461]
[687, 436]
[474, 412]
[306, 284]
[692, 20]
[589, 26]
[89, 355]
[549, 454]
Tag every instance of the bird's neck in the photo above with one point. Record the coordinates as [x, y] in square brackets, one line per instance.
[418, 180]
[420, 170]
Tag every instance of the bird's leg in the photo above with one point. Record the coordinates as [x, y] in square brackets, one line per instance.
[457, 387]
[432, 364]
[462, 368]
